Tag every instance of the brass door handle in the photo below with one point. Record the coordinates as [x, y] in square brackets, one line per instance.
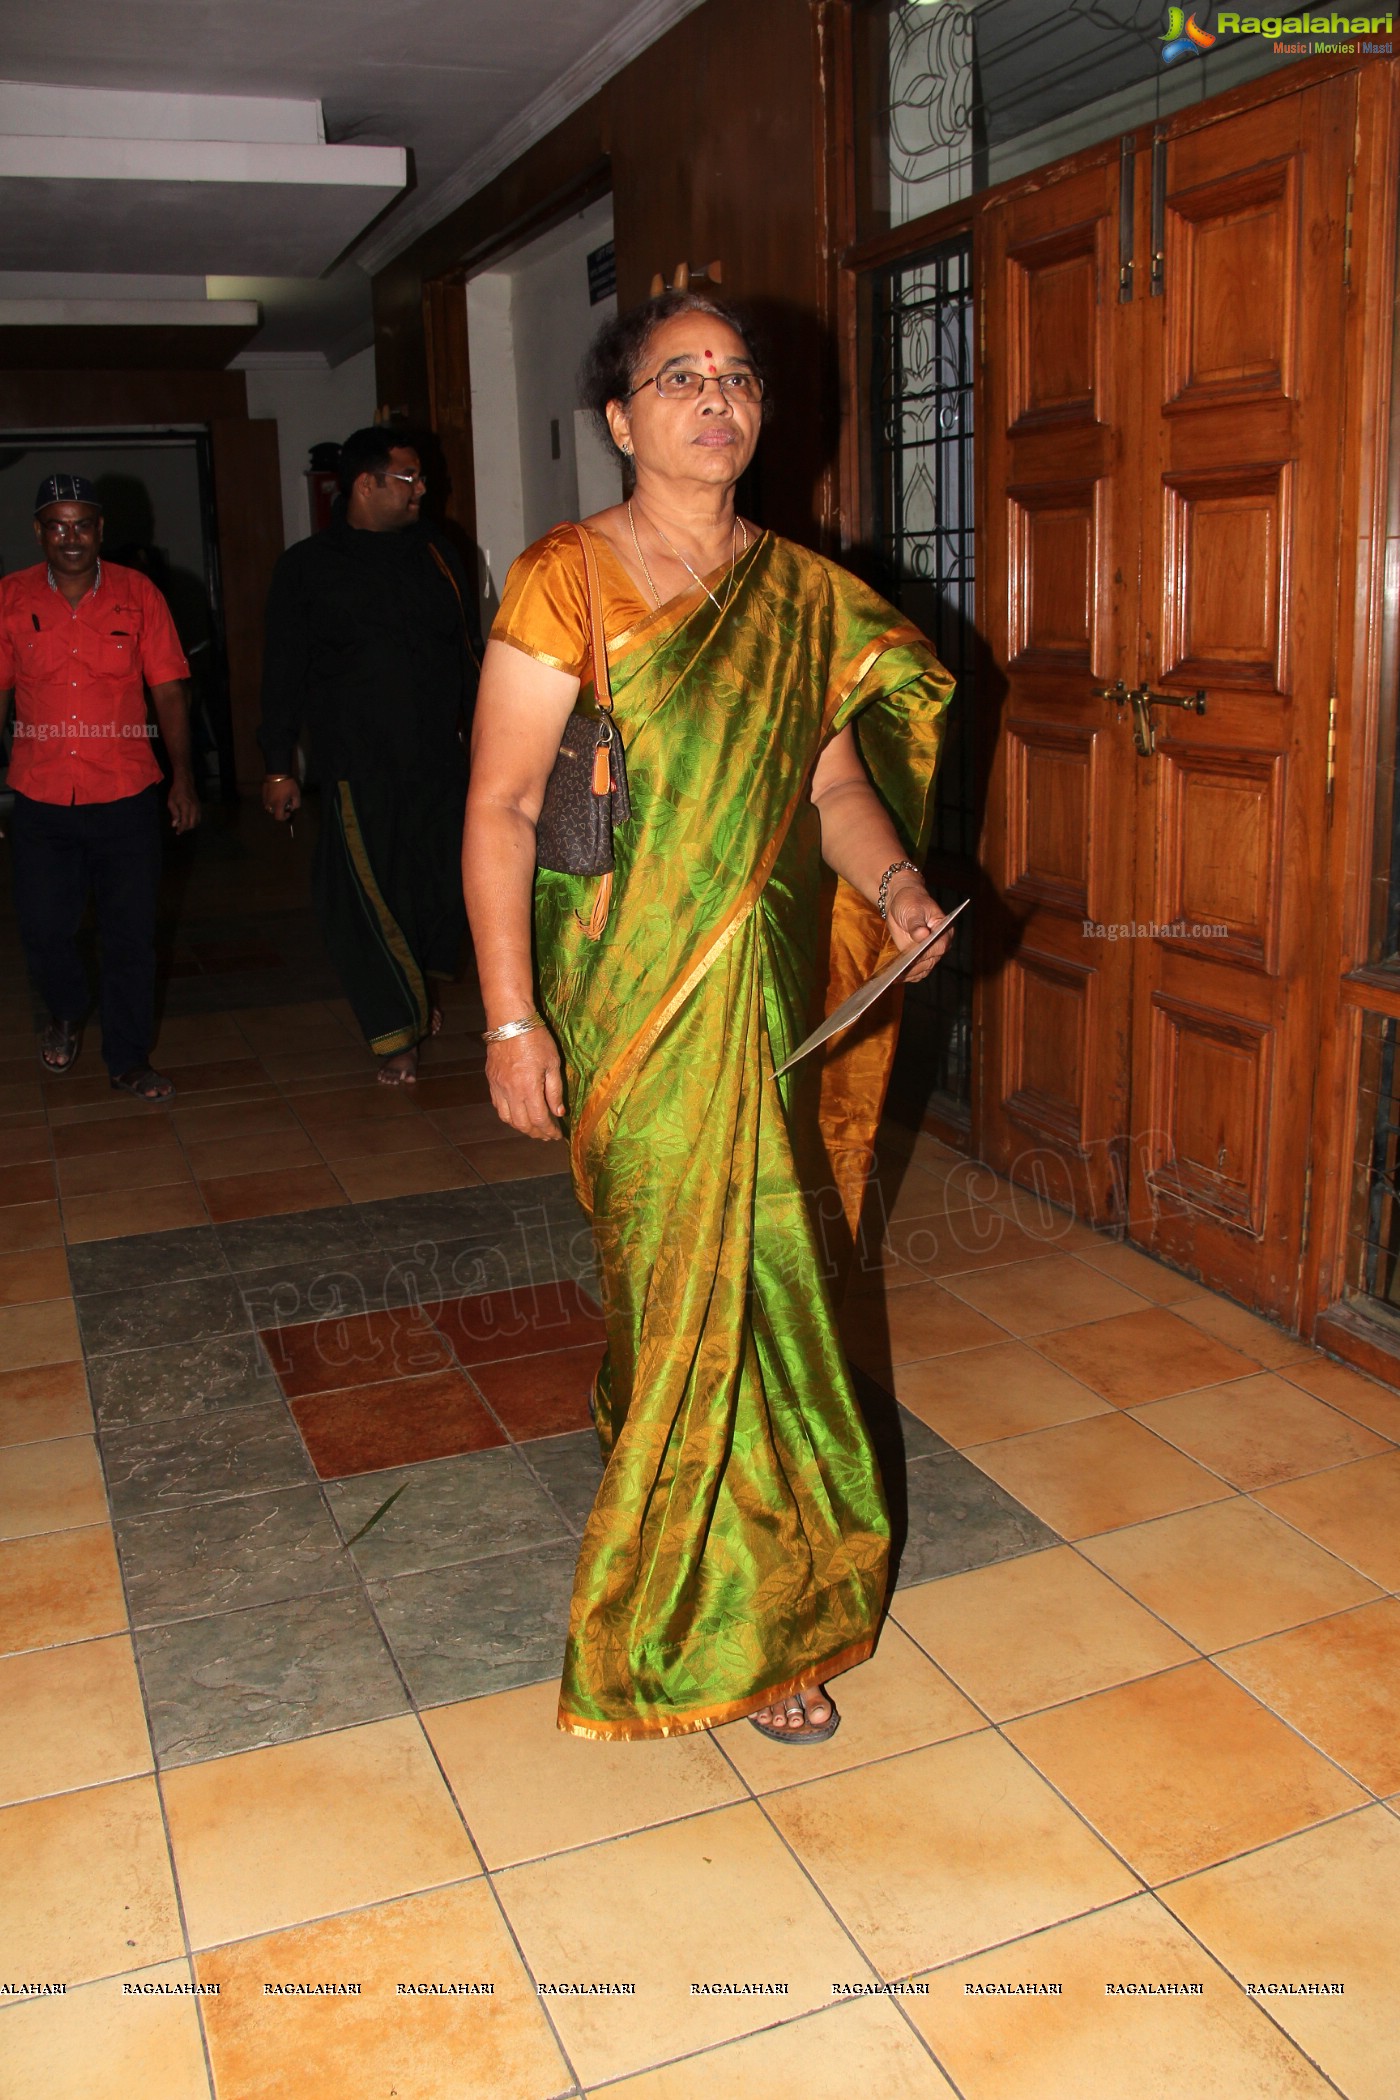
[1142, 700]
[1195, 702]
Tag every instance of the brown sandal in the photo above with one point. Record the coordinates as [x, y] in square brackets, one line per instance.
[58, 1045]
[145, 1083]
[810, 1731]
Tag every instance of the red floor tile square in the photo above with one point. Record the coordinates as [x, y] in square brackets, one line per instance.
[362, 1349]
[525, 1322]
[366, 1428]
[541, 1395]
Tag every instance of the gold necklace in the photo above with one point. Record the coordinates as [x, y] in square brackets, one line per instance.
[735, 551]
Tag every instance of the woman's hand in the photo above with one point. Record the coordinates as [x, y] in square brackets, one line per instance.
[526, 1080]
[910, 913]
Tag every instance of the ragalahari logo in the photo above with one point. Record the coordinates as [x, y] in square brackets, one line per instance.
[1184, 37]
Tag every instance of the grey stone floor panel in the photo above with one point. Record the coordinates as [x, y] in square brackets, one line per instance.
[191, 1311]
[203, 1458]
[293, 1294]
[571, 1468]
[242, 1680]
[224, 1556]
[182, 1378]
[483, 1626]
[296, 1236]
[450, 1510]
[443, 1215]
[139, 1258]
[959, 1519]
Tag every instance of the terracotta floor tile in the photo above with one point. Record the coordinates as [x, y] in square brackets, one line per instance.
[429, 2048]
[271, 1195]
[516, 1158]
[24, 1145]
[1267, 1344]
[73, 1718]
[981, 1395]
[68, 1107]
[1095, 1475]
[1080, 2046]
[609, 1913]
[526, 1789]
[33, 1183]
[1144, 1356]
[366, 1428]
[100, 2042]
[1149, 1278]
[916, 1194]
[404, 1174]
[251, 1152]
[327, 1063]
[46, 1333]
[24, 1226]
[1029, 1298]
[19, 1096]
[349, 1104]
[48, 1401]
[1337, 1681]
[269, 1838]
[1156, 1767]
[1032, 1632]
[1318, 1908]
[949, 1849]
[1354, 1511]
[525, 1322]
[124, 1133]
[50, 1487]
[134, 1210]
[1350, 1393]
[470, 1124]
[60, 1586]
[964, 1242]
[1259, 1431]
[85, 1885]
[897, 1701]
[916, 1320]
[857, 2047]
[159, 1164]
[364, 1349]
[363, 1141]
[541, 1395]
[201, 1075]
[200, 1126]
[1227, 1573]
[454, 1090]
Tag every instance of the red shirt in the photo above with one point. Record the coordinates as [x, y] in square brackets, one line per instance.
[82, 732]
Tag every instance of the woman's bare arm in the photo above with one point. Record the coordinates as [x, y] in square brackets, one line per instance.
[521, 709]
[860, 842]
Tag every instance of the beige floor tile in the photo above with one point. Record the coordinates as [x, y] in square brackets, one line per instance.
[612, 1913]
[1096, 1475]
[1029, 1298]
[918, 1319]
[1085, 2045]
[965, 1242]
[981, 1395]
[1144, 1356]
[27, 1225]
[404, 1174]
[73, 1717]
[1347, 1390]
[1267, 1344]
[85, 1885]
[1318, 1908]
[1032, 1632]
[50, 1487]
[49, 1400]
[1337, 1681]
[854, 2048]
[526, 1789]
[379, 2044]
[273, 1837]
[951, 1849]
[1227, 1573]
[159, 1164]
[1149, 1278]
[1354, 1511]
[26, 1278]
[897, 1701]
[136, 1210]
[108, 2041]
[38, 1334]
[59, 1586]
[901, 1192]
[1157, 1767]
[1258, 1431]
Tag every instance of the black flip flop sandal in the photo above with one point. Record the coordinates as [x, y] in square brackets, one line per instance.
[58, 1046]
[145, 1083]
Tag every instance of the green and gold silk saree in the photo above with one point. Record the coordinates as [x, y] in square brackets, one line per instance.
[738, 1546]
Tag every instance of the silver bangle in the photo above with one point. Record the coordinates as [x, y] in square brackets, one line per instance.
[895, 866]
[509, 1029]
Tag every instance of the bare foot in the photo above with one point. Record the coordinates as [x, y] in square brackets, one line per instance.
[800, 1717]
[401, 1069]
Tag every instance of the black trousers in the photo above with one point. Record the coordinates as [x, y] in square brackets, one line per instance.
[64, 852]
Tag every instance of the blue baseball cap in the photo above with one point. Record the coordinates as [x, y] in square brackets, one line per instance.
[66, 488]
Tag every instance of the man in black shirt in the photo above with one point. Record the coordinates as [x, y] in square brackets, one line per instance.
[371, 647]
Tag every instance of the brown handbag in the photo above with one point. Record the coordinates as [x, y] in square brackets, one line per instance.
[587, 790]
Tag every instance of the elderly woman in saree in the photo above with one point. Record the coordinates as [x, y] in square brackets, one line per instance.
[775, 714]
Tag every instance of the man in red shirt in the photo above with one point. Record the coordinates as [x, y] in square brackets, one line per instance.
[79, 642]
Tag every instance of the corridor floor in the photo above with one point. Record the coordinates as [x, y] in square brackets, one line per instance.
[294, 1460]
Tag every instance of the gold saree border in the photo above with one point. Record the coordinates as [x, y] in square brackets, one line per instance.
[389, 930]
[646, 1726]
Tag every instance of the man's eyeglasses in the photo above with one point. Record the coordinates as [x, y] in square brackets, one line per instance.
[679, 383]
[413, 481]
[68, 528]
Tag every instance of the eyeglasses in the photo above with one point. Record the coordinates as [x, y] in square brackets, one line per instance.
[679, 383]
[68, 528]
[414, 481]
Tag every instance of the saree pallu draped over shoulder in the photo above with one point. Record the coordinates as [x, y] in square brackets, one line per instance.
[738, 1545]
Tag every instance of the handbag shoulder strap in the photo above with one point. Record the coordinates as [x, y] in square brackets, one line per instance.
[602, 683]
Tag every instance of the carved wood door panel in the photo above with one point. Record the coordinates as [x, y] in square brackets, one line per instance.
[1163, 497]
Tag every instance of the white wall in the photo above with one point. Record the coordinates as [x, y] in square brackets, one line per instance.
[312, 405]
[500, 528]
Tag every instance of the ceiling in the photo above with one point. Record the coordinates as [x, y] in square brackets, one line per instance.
[462, 85]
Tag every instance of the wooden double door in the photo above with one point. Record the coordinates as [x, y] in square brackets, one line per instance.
[1161, 443]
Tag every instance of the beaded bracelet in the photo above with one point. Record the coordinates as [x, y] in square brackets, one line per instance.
[894, 868]
[509, 1029]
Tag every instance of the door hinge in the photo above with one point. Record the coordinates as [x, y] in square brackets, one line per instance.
[1331, 748]
[1347, 229]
